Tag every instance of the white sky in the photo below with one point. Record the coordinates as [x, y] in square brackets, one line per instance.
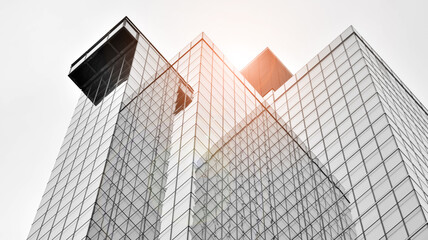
[40, 39]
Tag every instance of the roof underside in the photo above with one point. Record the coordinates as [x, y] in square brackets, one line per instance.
[88, 70]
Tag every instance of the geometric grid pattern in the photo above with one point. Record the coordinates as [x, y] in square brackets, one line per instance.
[335, 106]
[131, 193]
[223, 110]
[220, 102]
[130, 196]
[262, 185]
[68, 200]
[113, 159]
[408, 120]
[190, 150]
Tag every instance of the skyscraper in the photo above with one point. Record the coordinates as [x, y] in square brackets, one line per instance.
[191, 148]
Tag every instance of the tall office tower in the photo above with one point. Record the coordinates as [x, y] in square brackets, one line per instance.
[193, 149]
[237, 172]
[109, 176]
[368, 130]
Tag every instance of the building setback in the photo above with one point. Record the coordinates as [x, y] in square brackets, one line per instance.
[191, 149]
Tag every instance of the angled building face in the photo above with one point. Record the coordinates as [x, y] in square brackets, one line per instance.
[233, 156]
[191, 148]
[368, 129]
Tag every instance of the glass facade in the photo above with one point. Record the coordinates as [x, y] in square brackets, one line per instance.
[369, 130]
[188, 148]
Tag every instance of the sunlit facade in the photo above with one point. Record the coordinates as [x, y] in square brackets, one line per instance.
[368, 130]
[191, 149]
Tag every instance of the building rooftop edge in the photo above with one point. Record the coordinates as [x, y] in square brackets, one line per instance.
[124, 20]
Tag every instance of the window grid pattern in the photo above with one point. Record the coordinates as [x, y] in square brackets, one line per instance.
[409, 121]
[334, 106]
[92, 185]
[129, 201]
[192, 151]
[262, 185]
[210, 117]
[220, 109]
[67, 203]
